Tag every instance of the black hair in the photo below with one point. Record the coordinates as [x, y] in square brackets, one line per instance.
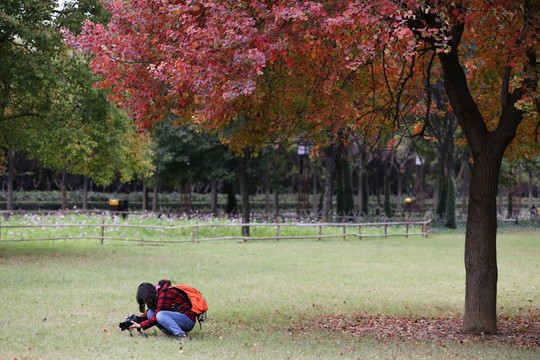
[147, 295]
[162, 283]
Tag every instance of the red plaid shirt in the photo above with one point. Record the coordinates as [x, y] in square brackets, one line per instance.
[169, 299]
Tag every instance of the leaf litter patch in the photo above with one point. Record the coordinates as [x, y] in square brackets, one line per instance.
[522, 332]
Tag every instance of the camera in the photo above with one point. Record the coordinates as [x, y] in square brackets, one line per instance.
[124, 325]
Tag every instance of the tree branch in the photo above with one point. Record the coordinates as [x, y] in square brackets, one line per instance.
[18, 116]
[461, 99]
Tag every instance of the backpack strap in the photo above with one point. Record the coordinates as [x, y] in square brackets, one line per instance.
[201, 318]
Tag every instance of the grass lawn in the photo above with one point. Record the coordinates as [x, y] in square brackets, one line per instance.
[64, 299]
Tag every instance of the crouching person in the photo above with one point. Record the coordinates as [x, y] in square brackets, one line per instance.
[166, 307]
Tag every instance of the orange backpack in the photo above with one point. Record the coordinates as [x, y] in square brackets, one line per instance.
[198, 304]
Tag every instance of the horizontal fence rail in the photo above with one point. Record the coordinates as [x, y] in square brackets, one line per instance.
[101, 229]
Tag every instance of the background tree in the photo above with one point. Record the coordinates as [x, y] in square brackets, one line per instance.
[402, 165]
[343, 180]
[28, 43]
[277, 168]
[83, 134]
[444, 134]
[532, 167]
[360, 151]
[183, 155]
[49, 106]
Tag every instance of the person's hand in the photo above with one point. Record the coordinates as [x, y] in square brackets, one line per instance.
[134, 325]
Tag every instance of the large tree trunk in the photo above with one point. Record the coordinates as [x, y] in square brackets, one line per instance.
[481, 246]
[487, 149]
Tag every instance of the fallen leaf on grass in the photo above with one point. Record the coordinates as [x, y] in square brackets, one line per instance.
[522, 332]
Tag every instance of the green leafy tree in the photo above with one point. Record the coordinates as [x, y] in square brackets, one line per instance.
[49, 106]
[28, 42]
[183, 155]
[27, 47]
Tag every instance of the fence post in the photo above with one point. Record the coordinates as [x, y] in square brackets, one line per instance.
[277, 233]
[102, 230]
[407, 229]
[385, 229]
[344, 233]
[320, 233]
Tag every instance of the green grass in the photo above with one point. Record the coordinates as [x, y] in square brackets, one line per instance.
[64, 299]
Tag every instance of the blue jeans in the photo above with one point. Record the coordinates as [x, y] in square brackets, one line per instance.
[172, 322]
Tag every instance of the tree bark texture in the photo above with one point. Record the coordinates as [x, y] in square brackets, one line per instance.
[481, 248]
[487, 149]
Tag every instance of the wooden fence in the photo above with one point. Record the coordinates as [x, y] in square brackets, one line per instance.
[197, 233]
